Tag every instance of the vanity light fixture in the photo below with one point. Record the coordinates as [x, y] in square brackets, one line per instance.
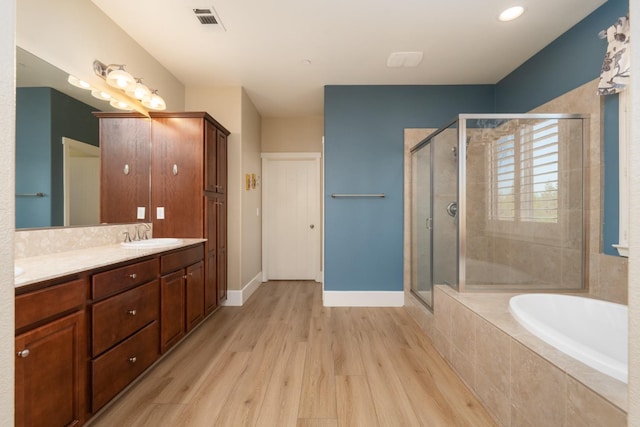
[73, 80]
[154, 101]
[120, 105]
[511, 13]
[100, 95]
[116, 76]
[138, 91]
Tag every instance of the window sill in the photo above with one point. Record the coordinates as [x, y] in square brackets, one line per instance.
[623, 250]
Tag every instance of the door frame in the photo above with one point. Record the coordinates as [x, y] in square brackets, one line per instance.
[266, 234]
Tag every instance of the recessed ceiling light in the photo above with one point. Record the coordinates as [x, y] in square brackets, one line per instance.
[511, 13]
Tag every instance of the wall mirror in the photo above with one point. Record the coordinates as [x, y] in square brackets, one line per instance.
[57, 154]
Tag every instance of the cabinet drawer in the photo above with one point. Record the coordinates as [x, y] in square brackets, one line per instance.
[119, 279]
[115, 369]
[177, 260]
[120, 316]
[39, 305]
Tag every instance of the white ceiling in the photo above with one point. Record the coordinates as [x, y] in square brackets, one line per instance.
[266, 42]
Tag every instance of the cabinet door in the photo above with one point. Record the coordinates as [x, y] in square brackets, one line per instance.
[221, 251]
[49, 389]
[172, 309]
[211, 245]
[211, 155]
[221, 186]
[194, 291]
[211, 287]
[125, 157]
[177, 176]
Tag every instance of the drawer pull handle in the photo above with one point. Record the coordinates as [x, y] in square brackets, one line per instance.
[133, 360]
[133, 275]
[24, 353]
[132, 312]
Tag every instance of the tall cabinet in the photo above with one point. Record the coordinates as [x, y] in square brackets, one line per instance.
[187, 153]
[188, 189]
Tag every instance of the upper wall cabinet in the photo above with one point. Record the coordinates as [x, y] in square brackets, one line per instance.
[125, 156]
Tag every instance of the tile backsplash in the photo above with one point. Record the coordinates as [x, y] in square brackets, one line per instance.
[44, 241]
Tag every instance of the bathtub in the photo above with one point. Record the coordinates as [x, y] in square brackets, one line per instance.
[592, 331]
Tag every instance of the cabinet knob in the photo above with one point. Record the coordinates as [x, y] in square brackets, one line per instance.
[133, 275]
[133, 360]
[184, 277]
[174, 169]
[132, 312]
[24, 353]
[125, 170]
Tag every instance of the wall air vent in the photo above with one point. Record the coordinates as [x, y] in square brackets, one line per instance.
[208, 16]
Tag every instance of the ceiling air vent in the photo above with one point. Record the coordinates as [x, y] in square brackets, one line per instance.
[208, 16]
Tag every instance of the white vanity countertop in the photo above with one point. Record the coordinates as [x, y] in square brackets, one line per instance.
[45, 267]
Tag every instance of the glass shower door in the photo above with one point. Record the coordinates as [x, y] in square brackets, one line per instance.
[421, 225]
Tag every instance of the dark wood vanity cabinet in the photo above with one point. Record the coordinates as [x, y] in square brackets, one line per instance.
[182, 294]
[80, 342]
[124, 327]
[50, 345]
[188, 163]
[125, 155]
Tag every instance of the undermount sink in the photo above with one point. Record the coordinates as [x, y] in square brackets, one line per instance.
[152, 243]
[17, 271]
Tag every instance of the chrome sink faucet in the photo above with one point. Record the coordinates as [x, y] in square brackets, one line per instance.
[144, 235]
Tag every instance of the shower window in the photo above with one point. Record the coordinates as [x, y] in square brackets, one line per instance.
[524, 174]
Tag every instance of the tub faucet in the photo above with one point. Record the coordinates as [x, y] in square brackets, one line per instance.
[144, 235]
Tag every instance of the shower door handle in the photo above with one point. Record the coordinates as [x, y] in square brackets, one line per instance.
[452, 209]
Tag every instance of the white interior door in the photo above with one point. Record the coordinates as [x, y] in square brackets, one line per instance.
[81, 178]
[291, 216]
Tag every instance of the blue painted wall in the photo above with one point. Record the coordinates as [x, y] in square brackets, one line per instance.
[43, 117]
[364, 138]
[570, 61]
[364, 148]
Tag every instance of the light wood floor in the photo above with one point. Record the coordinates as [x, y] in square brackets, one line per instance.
[284, 360]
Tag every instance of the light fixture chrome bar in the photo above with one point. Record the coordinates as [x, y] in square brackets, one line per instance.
[334, 195]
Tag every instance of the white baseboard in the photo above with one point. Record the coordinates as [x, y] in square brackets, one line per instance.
[363, 298]
[238, 298]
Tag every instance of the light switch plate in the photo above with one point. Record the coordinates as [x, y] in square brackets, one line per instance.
[141, 212]
[160, 213]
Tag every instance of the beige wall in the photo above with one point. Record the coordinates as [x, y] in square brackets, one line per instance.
[251, 200]
[234, 110]
[607, 275]
[7, 208]
[54, 31]
[634, 239]
[292, 135]
[225, 105]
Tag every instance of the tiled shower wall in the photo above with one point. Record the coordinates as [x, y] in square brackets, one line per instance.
[606, 275]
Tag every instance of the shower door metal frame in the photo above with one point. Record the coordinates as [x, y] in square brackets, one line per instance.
[414, 150]
[461, 120]
[462, 183]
